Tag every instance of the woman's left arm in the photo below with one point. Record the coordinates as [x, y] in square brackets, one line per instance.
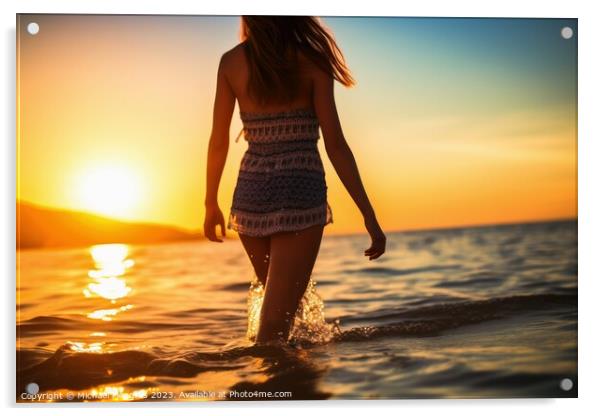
[218, 149]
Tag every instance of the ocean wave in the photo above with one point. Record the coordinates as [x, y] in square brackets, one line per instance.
[428, 320]
[69, 368]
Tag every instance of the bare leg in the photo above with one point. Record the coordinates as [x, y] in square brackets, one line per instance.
[258, 250]
[292, 259]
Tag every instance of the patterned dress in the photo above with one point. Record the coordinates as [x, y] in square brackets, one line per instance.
[281, 184]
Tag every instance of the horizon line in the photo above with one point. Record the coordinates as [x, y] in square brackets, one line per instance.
[398, 230]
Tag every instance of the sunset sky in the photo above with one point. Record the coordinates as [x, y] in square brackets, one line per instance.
[452, 122]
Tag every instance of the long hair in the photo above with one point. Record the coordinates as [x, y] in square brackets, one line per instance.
[271, 44]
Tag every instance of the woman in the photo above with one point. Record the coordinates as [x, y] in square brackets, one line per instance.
[282, 75]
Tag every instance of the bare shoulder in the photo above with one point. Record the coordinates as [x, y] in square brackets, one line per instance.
[233, 57]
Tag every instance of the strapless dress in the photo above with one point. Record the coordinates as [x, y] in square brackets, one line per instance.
[281, 182]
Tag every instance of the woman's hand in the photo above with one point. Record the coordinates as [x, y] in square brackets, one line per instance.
[379, 240]
[213, 218]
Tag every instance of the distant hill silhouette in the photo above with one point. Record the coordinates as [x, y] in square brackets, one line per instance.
[42, 227]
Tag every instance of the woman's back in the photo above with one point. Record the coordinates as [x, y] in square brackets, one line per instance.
[237, 71]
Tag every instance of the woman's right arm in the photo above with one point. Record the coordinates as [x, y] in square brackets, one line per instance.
[217, 151]
[343, 160]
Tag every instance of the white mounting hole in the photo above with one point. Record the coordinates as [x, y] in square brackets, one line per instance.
[566, 384]
[33, 28]
[32, 388]
[566, 32]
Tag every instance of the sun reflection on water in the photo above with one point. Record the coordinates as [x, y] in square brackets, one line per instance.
[108, 314]
[111, 288]
[96, 347]
[111, 263]
[119, 393]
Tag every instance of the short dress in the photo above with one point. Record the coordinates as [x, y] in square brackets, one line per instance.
[281, 183]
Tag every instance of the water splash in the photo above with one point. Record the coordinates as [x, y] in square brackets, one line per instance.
[254, 301]
[309, 325]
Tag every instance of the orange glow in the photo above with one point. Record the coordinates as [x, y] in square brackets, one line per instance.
[116, 113]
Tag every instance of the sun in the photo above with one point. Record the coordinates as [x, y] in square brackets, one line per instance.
[109, 189]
